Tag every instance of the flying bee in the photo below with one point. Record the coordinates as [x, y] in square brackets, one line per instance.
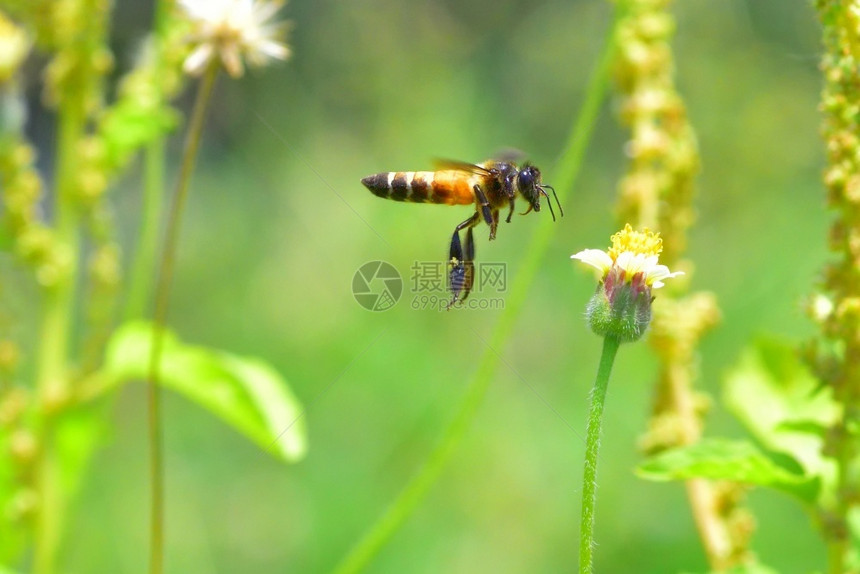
[489, 186]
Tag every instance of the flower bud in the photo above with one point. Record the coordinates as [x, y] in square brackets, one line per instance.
[619, 308]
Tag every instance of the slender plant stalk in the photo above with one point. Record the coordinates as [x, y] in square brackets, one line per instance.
[162, 297]
[59, 306]
[837, 533]
[592, 447]
[56, 327]
[836, 551]
[140, 283]
[714, 529]
[566, 175]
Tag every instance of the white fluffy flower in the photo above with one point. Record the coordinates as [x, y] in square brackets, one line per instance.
[234, 31]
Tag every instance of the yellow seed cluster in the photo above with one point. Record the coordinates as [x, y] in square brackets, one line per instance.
[33, 242]
[840, 101]
[83, 57]
[14, 47]
[834, 356]
[662, 147]
[682, 322]
[657, 192]
[644, 242]
[23, 446]
[104, 282]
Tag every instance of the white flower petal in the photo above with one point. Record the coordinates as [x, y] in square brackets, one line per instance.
[634, 263]
[267, 10]
[232, 62]
[274, 50]
[196, 62]
[594, 257]
[195, 8]
[659, 272]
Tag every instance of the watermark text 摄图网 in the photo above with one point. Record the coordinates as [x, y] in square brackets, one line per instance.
[378, 286]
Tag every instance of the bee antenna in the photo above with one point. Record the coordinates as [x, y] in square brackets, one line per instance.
[560, 209]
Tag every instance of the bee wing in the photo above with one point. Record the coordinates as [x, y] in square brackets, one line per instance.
[455, 165]
[510, 155]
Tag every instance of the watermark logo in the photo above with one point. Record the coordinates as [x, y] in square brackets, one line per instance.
[377, 286]
[492, 277]
[432, 277]
[429, 281]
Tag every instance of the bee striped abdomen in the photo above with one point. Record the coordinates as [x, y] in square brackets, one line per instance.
[452, 188]
[443, 187]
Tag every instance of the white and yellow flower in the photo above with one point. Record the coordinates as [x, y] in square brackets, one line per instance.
[628, 271]
[234, 31]
[632, 252]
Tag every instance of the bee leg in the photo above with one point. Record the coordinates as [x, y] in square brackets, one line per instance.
[495, 223]
[460, 265]
[469, 264]
[511, 212]
[485, 209]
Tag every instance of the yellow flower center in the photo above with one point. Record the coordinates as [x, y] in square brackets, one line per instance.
[645, 242]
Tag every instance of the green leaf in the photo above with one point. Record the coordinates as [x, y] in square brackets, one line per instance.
[736, 461]
[807, 427]
[78, 433]
[6, 240]
[752, 568]
[854, 528]
[772, 392]
[128, 127]
[246, 392]
[13, 540]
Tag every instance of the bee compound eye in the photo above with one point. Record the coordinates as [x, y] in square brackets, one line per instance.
[526, 178]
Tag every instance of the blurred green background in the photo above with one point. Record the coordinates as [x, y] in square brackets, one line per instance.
[278, 224]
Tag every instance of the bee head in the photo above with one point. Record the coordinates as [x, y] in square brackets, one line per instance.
[531, 188]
